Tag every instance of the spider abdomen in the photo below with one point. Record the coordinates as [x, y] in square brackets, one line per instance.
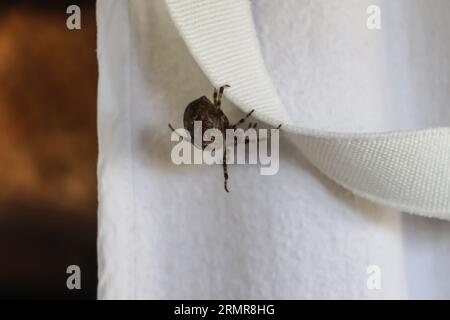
[210, 116]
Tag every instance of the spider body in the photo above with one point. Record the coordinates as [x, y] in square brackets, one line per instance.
[212, 117]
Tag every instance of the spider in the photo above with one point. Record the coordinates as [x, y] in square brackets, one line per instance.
[212, 117]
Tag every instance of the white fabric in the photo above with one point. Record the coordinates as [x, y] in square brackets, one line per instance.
[172, 232]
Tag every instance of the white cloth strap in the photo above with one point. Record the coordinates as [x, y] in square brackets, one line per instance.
[408, 170]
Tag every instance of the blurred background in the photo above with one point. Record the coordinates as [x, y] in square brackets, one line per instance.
[48, 149]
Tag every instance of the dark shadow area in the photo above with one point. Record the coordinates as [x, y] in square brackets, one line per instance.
[48, 143]
[46, 5]
[37, 243]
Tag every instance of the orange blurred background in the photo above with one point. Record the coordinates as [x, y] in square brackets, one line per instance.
[48, 149]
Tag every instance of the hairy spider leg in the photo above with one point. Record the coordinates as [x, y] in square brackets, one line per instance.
[254, 125]
[234, 126]
[251, 125]
[184, 138]
[218, 103]
[225, 169]
[215, 96]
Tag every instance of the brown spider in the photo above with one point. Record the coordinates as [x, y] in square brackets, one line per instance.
[212, 117]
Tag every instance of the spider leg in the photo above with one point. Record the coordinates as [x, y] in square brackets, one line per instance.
[247, 140]
[254, 125]
[184, 138]
[270, 131]
[234, 126]
[225, 169]
[218, 102]
[171, 128]
[215, 97]
[251, 125]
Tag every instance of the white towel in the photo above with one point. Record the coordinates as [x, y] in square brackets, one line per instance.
[172, 232]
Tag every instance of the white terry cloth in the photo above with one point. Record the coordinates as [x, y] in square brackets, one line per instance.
[172, 232]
